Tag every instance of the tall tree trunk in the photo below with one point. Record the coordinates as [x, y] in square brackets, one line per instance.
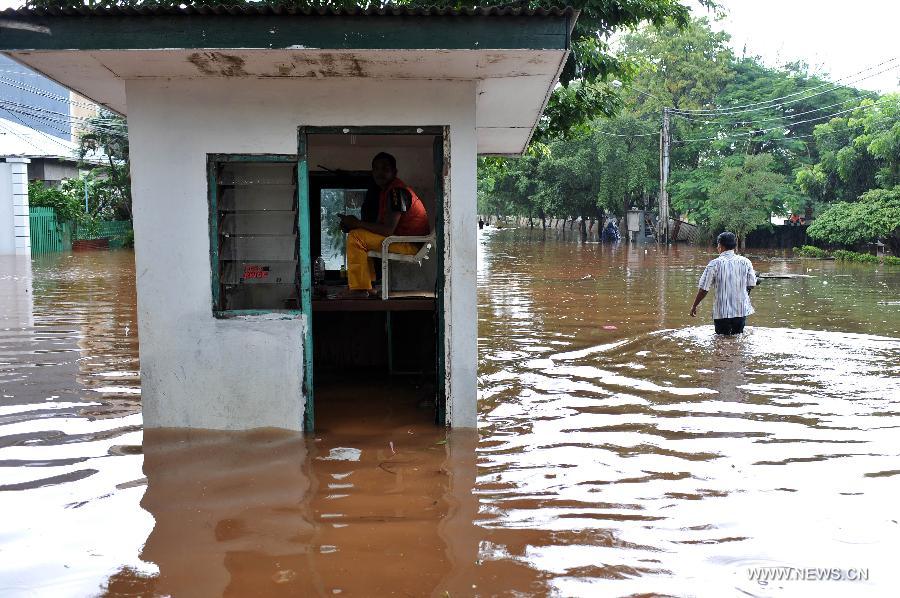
[583, 228]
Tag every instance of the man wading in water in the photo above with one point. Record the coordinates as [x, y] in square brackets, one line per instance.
[734, 278]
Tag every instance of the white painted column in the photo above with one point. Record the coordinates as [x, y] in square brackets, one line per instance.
[461, 255]
[15, 231]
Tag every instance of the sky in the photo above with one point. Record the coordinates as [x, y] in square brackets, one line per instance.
[838, 37]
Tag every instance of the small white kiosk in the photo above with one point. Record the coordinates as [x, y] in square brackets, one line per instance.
[248, 127]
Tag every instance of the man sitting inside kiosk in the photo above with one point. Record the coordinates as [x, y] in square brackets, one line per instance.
[400, 213]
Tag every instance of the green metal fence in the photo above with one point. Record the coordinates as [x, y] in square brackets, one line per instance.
[116, 230]
[48, 235]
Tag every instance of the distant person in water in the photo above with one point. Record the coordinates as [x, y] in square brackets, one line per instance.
[480, 224]
[734, 278]
[610, 232]
[400, 212]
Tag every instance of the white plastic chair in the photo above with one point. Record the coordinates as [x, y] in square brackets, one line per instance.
[386, 256]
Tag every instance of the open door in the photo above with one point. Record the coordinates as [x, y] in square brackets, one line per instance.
[384, 350]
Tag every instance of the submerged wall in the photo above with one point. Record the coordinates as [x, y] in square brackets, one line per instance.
[197, 371]
[780, 236]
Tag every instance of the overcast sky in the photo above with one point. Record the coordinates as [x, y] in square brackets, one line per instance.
[840, 37]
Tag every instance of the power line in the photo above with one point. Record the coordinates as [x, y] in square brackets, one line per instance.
[96, 123]
[773, 119]
[627, 135]
[757, 131]
[55, 121]
[783, 104]
[52, 138]
[778, 101]
[25, 139]
[43, 93]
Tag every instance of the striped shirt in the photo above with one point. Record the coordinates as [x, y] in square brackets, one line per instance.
[732, 275]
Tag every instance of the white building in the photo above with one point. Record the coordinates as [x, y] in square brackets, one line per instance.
[239, 119]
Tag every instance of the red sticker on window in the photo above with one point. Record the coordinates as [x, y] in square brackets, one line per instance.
[255, 271]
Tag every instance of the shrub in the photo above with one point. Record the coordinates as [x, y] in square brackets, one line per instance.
[876, 214]
[810, 251]
[68, 206]
[864, 258]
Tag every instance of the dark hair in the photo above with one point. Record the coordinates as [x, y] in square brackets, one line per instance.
[727, 240]
[385, 156]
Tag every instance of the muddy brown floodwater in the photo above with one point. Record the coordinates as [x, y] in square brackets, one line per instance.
[622, 449]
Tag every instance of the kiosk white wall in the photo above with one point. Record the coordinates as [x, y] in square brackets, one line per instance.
[199, 371]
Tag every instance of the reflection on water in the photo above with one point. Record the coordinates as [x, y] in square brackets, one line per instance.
[623, 448]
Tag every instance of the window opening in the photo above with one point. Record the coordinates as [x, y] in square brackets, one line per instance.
[256, 249]
[334, 202]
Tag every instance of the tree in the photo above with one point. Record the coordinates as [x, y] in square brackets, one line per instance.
[746, 196]
[105, 138]
[857, 152]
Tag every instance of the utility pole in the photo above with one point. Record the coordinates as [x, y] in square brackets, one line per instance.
[664, 144]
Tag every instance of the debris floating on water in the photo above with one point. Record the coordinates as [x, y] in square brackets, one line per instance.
[785, 275]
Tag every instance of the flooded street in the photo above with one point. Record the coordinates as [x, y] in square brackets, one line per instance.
[623, 449]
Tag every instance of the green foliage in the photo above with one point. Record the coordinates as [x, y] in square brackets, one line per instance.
[68, 207]
[858, 151]
[746, 196]
[810, 251]
[844, 255]
[865, 258]
[607, 168]
[876, 215]
[610, 163]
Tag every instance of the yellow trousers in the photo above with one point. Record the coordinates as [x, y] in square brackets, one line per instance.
[360, 269]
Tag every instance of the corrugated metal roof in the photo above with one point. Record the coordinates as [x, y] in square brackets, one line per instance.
[255, 10]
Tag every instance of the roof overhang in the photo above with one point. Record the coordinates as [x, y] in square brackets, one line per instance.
[514, 55]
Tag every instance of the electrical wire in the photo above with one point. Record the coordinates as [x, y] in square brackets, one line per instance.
[44, 93]
[52, 138]
[13, 131]
[97, 123]
[781, 105]
[778, 101]
[626, 135]
[757, 131]
[773, 119]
